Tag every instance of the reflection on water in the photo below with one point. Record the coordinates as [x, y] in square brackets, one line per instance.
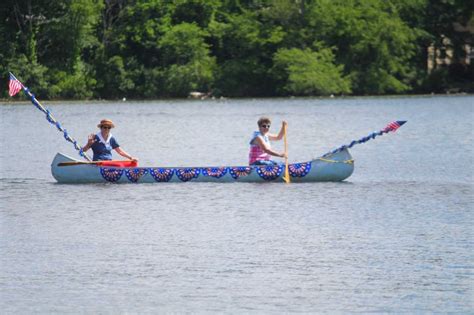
[396, 237]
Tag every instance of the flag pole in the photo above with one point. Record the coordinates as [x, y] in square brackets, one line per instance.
[393, 126]
[50, 118]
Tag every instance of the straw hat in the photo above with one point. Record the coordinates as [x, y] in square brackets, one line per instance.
[106, 122]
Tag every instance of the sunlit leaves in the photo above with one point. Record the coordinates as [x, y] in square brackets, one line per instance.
[306, 72]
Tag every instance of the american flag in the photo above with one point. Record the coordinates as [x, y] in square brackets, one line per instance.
[394, 125]
[14, 86]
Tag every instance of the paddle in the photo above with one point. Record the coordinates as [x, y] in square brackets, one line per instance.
[124, 163]
[286, 177]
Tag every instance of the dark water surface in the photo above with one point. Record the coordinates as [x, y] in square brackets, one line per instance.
[397, 236]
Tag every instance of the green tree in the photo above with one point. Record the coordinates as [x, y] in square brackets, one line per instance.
[306, 72]
[23, 20]
[46, 44]
[373, 43]
[198, 12]
[166, 54]
[156, 48]
[70, 74]
[244, 46]
[186, 55]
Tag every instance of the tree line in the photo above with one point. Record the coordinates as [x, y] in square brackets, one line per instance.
[109, 49]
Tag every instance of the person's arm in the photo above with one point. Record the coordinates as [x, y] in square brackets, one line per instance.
[280, 134]
[259, 141]
[90, 142]
[124, 154]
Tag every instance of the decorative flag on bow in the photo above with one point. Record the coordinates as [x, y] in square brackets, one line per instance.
[14, 86]
[394, 125]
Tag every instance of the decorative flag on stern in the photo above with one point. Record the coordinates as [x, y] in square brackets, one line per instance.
[393, 126]
[14, 86]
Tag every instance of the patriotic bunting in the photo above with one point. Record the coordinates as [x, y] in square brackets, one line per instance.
[394, 125]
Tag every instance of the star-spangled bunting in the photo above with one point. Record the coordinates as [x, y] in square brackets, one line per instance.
[14, 86]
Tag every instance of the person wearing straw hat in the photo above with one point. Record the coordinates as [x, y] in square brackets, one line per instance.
[103, 142]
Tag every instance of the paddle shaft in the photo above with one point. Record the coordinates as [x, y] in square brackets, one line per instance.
[286, 177]
[72, 163]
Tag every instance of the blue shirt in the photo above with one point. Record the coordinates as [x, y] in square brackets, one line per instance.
[103, 151]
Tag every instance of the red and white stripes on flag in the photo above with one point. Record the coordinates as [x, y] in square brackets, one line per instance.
[394, 125]
[14, 86]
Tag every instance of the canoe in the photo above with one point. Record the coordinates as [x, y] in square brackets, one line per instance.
[334, 167]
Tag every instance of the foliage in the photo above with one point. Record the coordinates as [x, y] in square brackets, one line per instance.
[373, 43]
[306, 72]
[168, 48]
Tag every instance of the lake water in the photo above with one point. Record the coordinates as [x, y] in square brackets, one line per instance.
[397, 236]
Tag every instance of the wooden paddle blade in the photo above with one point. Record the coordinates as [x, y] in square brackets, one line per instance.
[286, 176]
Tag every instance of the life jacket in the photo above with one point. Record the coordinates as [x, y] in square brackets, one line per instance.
[256, 153]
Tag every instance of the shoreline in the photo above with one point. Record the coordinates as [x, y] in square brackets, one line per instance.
[7, 101]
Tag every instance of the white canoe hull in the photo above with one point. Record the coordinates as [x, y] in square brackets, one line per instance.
[336, 167]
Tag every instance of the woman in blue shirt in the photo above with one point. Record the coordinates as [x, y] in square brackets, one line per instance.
[103, 142]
